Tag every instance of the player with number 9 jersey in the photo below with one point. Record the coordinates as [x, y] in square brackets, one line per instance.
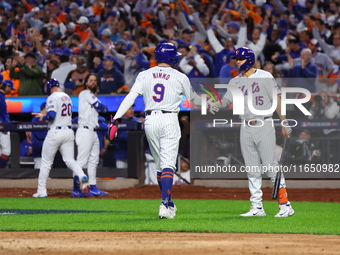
[162, 88]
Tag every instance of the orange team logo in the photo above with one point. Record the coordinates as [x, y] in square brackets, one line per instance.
[169, 191]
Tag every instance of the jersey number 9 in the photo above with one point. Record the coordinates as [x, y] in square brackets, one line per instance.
[159, 90]
[66, 110]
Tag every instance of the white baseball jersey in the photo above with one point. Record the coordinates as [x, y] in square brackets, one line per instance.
[88, 115]
[260, 87]
[257, 142]
[162, 88]
[61, 103]
[59, 137]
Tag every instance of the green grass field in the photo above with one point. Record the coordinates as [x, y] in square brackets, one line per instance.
[142, 215]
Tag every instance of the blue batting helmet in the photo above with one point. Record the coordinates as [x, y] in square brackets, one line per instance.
[247, 53]
[167, 53]
[50, 84]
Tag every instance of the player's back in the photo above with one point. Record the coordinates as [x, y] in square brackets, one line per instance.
[61, 103]
[162, 88]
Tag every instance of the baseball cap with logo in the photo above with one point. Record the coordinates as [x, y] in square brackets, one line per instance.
[81, 61]
[83, 20]
[314, 42]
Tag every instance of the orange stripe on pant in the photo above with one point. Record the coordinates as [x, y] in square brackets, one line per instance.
[282, 196]
[169, 176]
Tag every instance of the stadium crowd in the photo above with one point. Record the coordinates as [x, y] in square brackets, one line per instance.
[115, 39]
[67, 39]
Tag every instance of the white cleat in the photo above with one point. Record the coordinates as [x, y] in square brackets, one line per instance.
[172, 211]
[38, 195]
[285, 210]
[257, 211]
[164, 212]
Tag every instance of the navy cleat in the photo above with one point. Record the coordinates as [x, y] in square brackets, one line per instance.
[77, 193]
[94, 191]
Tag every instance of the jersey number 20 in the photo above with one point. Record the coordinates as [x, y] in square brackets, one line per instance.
[66, 110]
[159, 90]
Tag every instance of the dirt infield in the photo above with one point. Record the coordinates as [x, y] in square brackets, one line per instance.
[132, 243]
[18, 243]
[189, 192]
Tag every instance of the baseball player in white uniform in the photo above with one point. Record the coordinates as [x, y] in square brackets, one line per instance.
[59, 137]
[257, 138]
[86, 137]
[162, 88]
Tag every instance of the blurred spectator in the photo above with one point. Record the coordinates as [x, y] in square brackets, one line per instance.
[30, 76]
[330, 50]
[229, 70]
[6, 76]
[74, 82]
[325, 67]
[324, 107]
[129, 61]
[270, 67]
[305, 71]
[62, 71]
[314, 154]
[120, 142]
[38, 138]
[75, 12]
[51, 64]
[183, 173]
[26, 145]
[81, 28]
[192, 64]
[111, 79]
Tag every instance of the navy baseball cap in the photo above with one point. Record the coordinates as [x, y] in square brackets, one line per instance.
[120, 42]
[109, 57]
[234, 24]
[28, 44]
[128, 46]
[112, 13]
[30, 55]
[8, 83]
